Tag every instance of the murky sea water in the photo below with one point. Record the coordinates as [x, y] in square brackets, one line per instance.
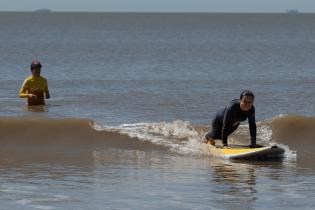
[133, 95]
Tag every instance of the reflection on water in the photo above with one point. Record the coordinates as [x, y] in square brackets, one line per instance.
[37, 108]
[237, 184]
[260, 185]
[100, 178]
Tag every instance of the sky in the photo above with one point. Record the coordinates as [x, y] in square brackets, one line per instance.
[160, 5]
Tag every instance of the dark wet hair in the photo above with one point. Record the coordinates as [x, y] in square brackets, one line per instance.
[245, 93]
[36, 64]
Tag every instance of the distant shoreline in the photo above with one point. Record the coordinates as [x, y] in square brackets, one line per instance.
[44, 11]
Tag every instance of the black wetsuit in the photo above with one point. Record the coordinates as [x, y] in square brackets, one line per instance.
[228, 119]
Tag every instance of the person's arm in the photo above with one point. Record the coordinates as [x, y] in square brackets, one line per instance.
[24, 90]
[47, 94]
[252, 127]
[226, 122]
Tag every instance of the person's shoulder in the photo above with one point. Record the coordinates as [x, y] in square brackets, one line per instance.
[233, 105]
[43, 78]
[28, 79]
[234, 102]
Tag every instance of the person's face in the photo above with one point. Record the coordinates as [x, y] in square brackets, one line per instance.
[246, 103]
[36, 72]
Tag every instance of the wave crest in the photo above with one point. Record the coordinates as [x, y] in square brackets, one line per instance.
[294, 132]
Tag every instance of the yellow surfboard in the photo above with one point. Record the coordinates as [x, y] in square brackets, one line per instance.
[245, 152]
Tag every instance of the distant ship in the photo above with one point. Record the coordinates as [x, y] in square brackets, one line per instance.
[293, 11]
[43, 10]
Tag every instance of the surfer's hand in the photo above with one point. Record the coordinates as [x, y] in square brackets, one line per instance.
[256, 146]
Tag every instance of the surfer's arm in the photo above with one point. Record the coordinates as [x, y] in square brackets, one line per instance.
[47, 94]
[252, 127]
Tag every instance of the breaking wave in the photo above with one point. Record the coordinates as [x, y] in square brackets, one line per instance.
[295, 133]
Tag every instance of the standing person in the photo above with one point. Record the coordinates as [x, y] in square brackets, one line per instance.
[35, 87]
[228, 119]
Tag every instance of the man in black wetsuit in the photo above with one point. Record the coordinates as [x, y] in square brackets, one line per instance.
[228, 119]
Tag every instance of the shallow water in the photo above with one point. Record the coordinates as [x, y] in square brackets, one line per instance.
[133, 95]
[132, 179]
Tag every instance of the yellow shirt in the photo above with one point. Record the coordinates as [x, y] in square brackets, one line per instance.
[37, 86]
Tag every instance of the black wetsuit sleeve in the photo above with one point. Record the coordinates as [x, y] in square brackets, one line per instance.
[226, 121]
[252, 127]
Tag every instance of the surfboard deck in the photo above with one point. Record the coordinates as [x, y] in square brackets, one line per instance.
[247, 153]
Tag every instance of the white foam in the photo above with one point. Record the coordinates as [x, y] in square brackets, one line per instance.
[181, 137]
[265, 136]
[178, 135]
[289, 154]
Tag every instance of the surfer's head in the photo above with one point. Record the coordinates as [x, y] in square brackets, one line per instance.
[246, 100]
[36, 67]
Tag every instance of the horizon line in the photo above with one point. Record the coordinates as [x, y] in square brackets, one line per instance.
[184, 12]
